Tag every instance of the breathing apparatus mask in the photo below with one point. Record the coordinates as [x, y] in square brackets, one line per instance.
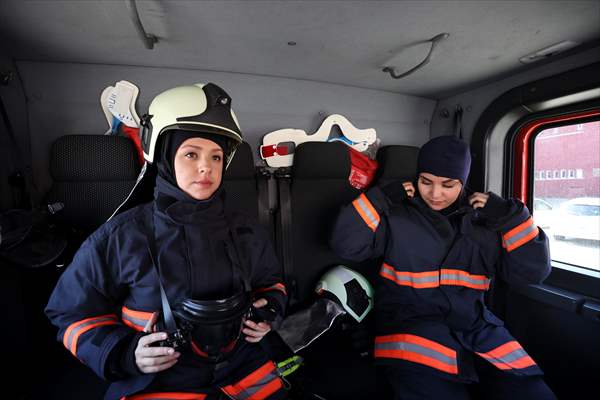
[210, 328]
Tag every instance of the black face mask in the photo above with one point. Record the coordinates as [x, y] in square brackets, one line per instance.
[212, 328]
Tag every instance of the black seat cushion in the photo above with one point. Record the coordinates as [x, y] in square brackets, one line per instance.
[92, 175]
[396, 162]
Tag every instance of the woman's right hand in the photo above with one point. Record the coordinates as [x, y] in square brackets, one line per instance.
[154, 359]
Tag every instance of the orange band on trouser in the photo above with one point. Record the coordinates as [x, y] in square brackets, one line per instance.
[510, 355]
[367, 212]
[519, 235]
[166, 396]
[259, 385]
[76, 329]
[417, 349]
[135, 319]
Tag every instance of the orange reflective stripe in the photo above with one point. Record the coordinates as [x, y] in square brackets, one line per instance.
[417, 349]
[520, 235]
[71, 335]
[135, 319]
[277, 286]
[457, 277]
[366, 211]
[509, 356]
[259, 385]
[166, 396]
[417, 280]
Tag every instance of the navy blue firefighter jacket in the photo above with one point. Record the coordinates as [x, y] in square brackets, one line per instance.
[110, 290]
[429, 298]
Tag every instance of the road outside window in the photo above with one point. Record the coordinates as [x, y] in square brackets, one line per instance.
[567, 193]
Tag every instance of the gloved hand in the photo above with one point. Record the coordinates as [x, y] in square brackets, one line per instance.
[398, 191]
[491, 206]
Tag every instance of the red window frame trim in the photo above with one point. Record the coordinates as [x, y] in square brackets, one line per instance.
[522, 146]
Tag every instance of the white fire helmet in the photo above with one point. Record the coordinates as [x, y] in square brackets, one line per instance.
[200, 107]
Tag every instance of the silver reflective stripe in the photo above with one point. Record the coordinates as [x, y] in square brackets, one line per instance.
[135, 321]
[257, 386]
[409, 279]
[510, 357]
[363, 206]
[415, 348]
[520, 235]
[88, 323]
[459, 277]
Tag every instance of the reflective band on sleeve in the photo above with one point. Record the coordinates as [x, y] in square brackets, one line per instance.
[520, 235]
[166, 396]
[417, 349]
[76, 329]
[417, 280]
[135, 319]
[509, 356]
[259, 385]
[366, 211]
[459, 277]
[277, 286]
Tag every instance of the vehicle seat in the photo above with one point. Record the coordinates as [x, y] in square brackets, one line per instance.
[396, 162]
[92, 176]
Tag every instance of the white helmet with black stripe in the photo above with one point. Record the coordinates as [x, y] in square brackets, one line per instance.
[200, 107]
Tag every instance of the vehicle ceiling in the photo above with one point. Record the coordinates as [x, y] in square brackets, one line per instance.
[343, 42]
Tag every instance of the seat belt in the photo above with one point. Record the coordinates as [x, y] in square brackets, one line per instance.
[264, 207]
[284, 178]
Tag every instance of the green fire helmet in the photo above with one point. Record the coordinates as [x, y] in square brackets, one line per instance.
[350, 288]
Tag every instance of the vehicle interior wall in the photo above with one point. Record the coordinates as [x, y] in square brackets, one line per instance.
[64, 99]
[476, 100]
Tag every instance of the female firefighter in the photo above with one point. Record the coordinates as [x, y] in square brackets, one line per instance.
[210, 273]
[441, 247]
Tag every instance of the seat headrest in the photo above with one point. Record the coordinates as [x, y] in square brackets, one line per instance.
[397, 162]
[93, 158]
[321, 160]
[242, 165]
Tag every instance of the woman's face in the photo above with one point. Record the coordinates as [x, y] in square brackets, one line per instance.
[438, 192]
[199, 167]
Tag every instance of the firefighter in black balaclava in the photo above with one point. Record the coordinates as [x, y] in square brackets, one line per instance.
[159, 299]
[441, 248]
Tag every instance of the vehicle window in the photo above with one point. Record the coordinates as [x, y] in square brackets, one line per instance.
[566, 191]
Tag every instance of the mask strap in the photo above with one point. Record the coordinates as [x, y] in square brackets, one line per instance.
[168, 318]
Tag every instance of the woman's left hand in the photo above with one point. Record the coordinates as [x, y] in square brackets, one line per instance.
[256, 331]
[478, 200]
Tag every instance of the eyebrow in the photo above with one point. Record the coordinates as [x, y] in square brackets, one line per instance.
[446, 181]
[200, 148]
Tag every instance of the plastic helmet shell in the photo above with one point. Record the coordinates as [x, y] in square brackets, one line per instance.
[351, 288]
[200, 107]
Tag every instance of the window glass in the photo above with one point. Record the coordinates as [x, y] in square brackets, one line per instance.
[566, 204]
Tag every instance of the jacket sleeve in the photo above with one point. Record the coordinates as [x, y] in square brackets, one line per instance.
[267, 278]
[359, 231]
[525, 257]
[84, 308]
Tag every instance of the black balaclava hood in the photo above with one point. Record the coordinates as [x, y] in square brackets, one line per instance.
[445, 156]
[169, 145]
[449, 157]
